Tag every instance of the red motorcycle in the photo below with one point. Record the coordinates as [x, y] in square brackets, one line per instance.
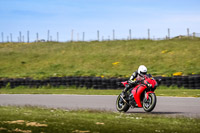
[140, 96]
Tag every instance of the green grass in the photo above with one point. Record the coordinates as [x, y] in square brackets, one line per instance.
[41, 60]
[38, 120]
[160, 91]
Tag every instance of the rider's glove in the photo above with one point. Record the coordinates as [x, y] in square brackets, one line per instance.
[134, 82]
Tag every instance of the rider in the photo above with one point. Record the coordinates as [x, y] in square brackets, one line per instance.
[136, 77]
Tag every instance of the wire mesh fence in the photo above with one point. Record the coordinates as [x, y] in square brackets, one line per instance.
[27, 36]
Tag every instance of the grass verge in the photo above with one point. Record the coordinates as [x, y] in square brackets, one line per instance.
[38, 120]
[160, 91]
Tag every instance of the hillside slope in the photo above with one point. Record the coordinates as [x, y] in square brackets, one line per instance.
[108, 58]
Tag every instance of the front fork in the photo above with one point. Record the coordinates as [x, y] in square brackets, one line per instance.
[123, 99]
[128, 97]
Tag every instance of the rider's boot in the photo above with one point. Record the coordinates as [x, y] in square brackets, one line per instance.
[125, 90]
[131, 99]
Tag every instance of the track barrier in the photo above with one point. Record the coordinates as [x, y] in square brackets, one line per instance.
[189, 82]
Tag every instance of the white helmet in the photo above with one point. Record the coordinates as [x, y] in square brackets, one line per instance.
[142, 69]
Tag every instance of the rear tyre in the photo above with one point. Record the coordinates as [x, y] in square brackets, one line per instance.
[121, 105]
[149, 105]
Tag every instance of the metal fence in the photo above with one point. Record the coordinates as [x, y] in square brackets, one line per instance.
[25, 37]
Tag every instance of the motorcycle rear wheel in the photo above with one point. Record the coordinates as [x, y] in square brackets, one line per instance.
[121, 105]
[149, 105]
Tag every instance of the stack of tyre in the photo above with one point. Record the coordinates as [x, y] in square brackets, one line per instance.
[105, 83]
[192, 82]
[3, 82]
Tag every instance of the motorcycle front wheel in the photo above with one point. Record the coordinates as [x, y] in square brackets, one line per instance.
[149, 105]
[121, 105]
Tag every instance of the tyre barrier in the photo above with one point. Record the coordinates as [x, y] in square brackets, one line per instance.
[190, 82]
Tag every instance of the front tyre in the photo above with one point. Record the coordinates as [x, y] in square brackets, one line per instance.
[121, 105]
[149, 105]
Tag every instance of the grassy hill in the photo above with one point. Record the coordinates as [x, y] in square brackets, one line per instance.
[107, 58]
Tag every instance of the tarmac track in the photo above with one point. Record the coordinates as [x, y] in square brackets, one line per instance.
[170, 106]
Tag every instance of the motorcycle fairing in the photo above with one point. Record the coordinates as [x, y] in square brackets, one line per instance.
[125, 83]
[137, 91]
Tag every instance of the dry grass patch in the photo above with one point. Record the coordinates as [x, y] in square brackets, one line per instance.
[35, 124]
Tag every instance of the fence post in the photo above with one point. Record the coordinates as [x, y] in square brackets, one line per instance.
[188, 32]
[48, 34]
[2, 37]
[168, 33]
[27, 36]
[57, 36]
[113, 35]
[129, 34]
[148, 34]
[37, 37]
[72, 32]
[97, 35]
[83, 36]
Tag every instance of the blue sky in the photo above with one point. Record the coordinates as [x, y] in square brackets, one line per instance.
[104, 15]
